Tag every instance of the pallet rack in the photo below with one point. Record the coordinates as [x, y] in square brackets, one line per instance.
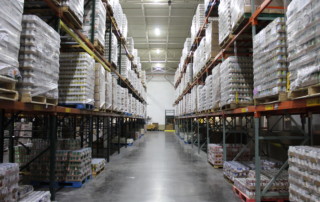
[254, 125]
[95, 129]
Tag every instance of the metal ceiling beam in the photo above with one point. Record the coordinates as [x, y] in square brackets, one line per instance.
[147, 32]
[168, 28]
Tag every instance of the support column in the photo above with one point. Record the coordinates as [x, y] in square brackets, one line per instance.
[53, 140]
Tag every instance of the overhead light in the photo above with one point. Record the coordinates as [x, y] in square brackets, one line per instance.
[157, 51]
[157, 31]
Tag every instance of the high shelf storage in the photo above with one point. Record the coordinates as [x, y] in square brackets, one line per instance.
[257, 125]
[104, 130]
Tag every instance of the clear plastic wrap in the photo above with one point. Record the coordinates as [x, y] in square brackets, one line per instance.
[9, 178]
[235, 169]
[38, 58]
[224, 12]
[236, 76]
[125, 64]
[212, 39]
[37, 196]
[100, 86]
[240, 7]
[209, 90]
[124, 26]
[99, 21]
[303, 37]
[114, 48]
[76, 6]
[304, 166]
[10, 31]
[108, 88]
[216, 87]
[270, 60]
[76, 83]
[198, 58]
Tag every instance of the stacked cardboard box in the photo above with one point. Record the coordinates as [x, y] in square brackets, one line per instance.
[76, 82]
[270, 70]
[303, 43]
[38, 58]
[100, 86]
[9, 178]
[212, 39]
[99, 21]
[304, 169]
[236, 81]
[11, 16]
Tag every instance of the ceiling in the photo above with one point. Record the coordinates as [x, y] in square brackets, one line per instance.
[159, 50]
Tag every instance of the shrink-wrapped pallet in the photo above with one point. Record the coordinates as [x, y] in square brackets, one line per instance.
[239, 8]
[38, 58]
[303, 32]
[76, 7]
[224, 12]
[303, 173]
[236, 76]
[11, 16]
[76, 82]
[216, 87]
[212, 39]
[209, 91]
[115, 105]
[100, 86]
[99, 21]
[111, 49]
[124, 26]
[270, 70]
[108, 88]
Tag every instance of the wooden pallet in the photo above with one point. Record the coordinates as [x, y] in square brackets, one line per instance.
[73, 184]
[8, 89]
[71, 17]
[215, 166]
[95, 173]
[245, 198]
[26, 97]
[282, 96]
[310, 91]
[77, 105]
[234, 106]
[98, 47]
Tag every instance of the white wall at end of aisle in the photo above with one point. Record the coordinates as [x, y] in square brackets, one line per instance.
[160, 97]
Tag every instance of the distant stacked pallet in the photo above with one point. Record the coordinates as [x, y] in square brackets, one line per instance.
[100, 87]
[39, 62]
[303, 47]
[76, 83]
[11, 16]
[304, 173]
[99, 24]
[215, 154]
[97, 166]
[111, 48]
[236, 82]
[270, 70]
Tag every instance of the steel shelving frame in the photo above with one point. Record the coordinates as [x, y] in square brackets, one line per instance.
[249, 119]
[95, 129]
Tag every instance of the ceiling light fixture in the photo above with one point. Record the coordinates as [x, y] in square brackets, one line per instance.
[157, 51]
[157, 31]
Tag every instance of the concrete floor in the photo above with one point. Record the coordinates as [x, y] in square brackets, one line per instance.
[158, 168]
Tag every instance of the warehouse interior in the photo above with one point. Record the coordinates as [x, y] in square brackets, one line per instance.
[160, 100]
